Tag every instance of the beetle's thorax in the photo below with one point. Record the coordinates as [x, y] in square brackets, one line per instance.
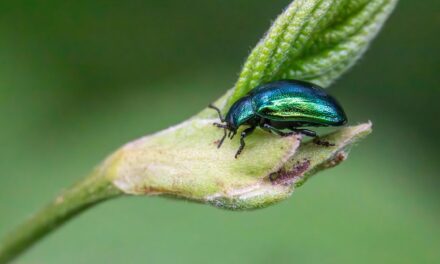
[240, 113]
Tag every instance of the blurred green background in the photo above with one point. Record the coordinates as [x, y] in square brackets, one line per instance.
[79, 79]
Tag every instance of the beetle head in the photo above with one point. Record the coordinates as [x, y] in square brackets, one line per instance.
[240, 113]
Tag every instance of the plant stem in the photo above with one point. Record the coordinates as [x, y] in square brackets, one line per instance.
[83, 195]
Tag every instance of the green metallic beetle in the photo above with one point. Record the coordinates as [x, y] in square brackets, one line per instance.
[282, 107]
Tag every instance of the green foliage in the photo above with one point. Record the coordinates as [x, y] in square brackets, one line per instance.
[313, 40]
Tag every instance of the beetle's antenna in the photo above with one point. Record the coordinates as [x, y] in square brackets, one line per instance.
[218, 112]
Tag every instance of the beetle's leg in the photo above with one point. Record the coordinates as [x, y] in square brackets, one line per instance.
[232, 134]
[220, 125]
[305, 132]
[223, 139]
[315, 137]
[225, 128]
[244, 134]
[271, 129]
[218, 112]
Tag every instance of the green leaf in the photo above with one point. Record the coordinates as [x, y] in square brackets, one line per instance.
[313, 40]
